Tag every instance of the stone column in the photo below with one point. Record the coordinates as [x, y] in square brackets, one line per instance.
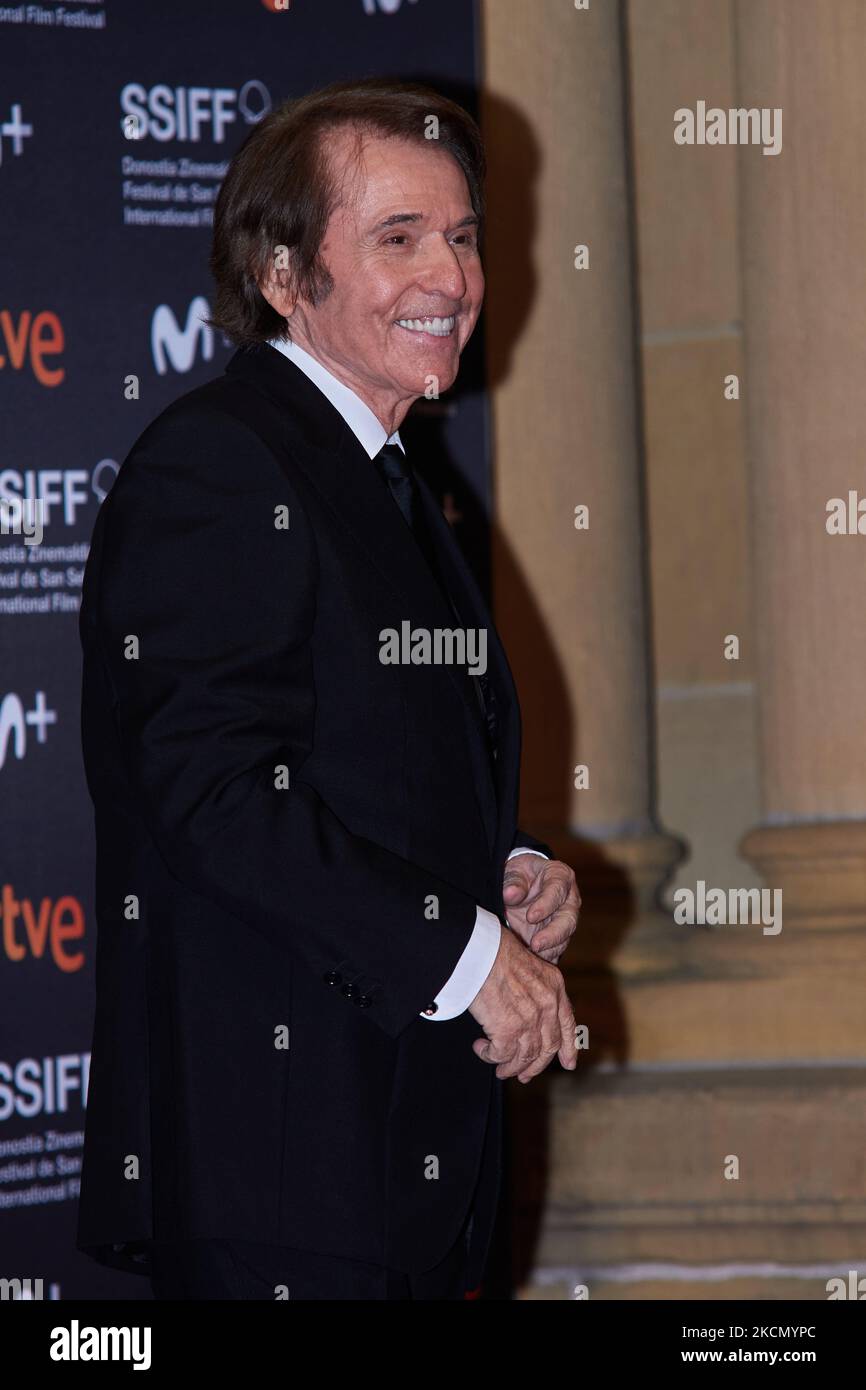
[732, 1030]
[570, 603]
[804, 270]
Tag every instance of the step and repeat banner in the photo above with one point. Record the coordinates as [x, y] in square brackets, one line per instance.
[117, 119]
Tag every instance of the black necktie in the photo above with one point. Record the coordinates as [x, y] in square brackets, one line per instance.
[396, 470]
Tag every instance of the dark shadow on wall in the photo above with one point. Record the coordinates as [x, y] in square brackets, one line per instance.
[550, 722]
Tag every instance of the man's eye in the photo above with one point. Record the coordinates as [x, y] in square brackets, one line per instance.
[398, 236]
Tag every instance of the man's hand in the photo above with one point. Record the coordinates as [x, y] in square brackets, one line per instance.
[541, 903]
[524, 1010]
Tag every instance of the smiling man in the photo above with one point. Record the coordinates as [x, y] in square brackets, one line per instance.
[308, 996]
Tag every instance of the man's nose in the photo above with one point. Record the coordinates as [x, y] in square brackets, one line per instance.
[442, 270]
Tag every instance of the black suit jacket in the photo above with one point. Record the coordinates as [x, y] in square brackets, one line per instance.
[291, 842]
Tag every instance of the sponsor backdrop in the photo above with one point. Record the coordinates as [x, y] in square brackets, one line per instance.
[116, 122]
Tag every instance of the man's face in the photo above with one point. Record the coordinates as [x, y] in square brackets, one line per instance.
[408, 284]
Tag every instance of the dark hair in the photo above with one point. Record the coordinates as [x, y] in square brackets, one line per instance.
[280, 191]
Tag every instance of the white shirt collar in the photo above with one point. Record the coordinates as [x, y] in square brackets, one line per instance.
[366, 427]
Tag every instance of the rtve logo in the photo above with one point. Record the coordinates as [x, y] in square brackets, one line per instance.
[14, 719]
[13, 132]
[29, 338]
[58, 922]
[190, 113]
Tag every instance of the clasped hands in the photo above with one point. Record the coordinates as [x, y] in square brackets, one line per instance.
[522, 1006]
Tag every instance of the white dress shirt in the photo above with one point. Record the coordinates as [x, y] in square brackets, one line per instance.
[477, 959]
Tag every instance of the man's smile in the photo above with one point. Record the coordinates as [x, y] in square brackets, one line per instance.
[432, 327]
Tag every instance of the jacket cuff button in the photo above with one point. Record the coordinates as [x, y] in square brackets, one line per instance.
[333, 977]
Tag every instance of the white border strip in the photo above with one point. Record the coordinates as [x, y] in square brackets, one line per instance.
[686, 1274]
[609, 1068]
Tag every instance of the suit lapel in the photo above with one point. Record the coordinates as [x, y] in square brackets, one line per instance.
[335, 464]
[475, 611]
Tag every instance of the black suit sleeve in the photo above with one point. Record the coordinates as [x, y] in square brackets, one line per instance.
[221, 695]
[530, 842]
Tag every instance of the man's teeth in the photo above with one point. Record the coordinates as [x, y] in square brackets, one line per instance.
[439, 327]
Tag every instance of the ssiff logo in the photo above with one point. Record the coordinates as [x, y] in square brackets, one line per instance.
[190, 113]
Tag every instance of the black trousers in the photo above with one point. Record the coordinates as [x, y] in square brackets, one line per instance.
[240, 1269]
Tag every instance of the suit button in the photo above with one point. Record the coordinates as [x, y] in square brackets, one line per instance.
[432, 1009]
[362, 1000]
[332, 978]
[349, 990]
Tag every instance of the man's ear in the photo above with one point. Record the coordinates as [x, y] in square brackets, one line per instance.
[276, 285]
[278, 296]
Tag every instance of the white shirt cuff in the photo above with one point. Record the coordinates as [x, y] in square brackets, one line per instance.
[476, 962]
[471, 970]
